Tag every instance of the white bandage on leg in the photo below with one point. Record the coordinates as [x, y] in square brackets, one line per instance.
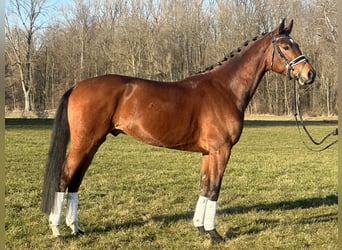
[198, 219]
[71, 212]
[56, 213]
[209, 217]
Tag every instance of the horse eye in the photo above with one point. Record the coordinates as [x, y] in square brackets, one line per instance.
[287, 47]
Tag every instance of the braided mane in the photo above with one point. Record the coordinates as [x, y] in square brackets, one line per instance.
[232, 53]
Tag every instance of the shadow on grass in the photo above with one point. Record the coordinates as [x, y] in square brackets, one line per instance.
[109, 227]
[284, 205]
[253, 228]
[98, 230]
[257, 226]
[260, 225]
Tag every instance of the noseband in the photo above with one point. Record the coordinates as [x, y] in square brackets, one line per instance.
[289, 64]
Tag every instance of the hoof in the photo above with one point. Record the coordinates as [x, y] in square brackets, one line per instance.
[201, 230]
[78, 233]
[215, 236]
[75, 230]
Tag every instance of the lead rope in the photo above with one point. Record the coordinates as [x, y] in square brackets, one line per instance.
[297, 112]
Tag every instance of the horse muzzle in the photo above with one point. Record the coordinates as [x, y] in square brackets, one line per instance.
[308, 79]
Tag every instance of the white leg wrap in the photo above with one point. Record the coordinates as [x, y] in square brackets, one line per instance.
[56, 213]
[71, 213]
[198, 219]
[72, 207]
[209, 217]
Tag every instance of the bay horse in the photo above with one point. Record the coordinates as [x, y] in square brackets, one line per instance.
[202, 113]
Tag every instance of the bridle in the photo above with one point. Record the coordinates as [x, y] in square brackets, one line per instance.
[289, 64]
[296, 105]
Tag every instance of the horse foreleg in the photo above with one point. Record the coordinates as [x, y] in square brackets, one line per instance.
[205, 212]
[213, 167]
[202, 201]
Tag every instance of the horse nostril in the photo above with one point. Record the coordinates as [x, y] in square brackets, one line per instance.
[311, 76]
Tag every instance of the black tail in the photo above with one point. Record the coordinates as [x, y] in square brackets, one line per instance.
[58, 146]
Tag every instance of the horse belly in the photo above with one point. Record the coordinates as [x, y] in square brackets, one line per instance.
[160, 125]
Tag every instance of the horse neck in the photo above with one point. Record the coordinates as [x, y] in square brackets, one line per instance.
[242, 73]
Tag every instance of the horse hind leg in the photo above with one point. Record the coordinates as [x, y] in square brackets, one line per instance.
[71, 214]
[71, 217]
[75, 166]
[56, 213]
[75, 182]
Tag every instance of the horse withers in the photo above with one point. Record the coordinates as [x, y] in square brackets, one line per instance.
[202, 113]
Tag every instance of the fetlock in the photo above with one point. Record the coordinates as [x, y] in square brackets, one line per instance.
[55, 231]
[75, 229]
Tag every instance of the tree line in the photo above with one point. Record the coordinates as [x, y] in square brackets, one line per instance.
[50, 47]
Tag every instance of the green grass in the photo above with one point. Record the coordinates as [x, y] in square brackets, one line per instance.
[275, 194]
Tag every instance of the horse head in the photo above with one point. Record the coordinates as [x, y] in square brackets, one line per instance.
[287, 57]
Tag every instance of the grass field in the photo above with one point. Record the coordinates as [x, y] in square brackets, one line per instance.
[275, 194]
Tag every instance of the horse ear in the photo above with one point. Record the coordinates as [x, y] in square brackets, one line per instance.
[288, 28]
[282, 26]
[282, 30]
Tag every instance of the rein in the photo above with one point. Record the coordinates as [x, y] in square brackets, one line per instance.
[297, 112]
[296, 105]
[289, 64]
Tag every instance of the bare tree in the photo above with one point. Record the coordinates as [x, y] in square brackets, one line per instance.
[163, 40]
[20, 40]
